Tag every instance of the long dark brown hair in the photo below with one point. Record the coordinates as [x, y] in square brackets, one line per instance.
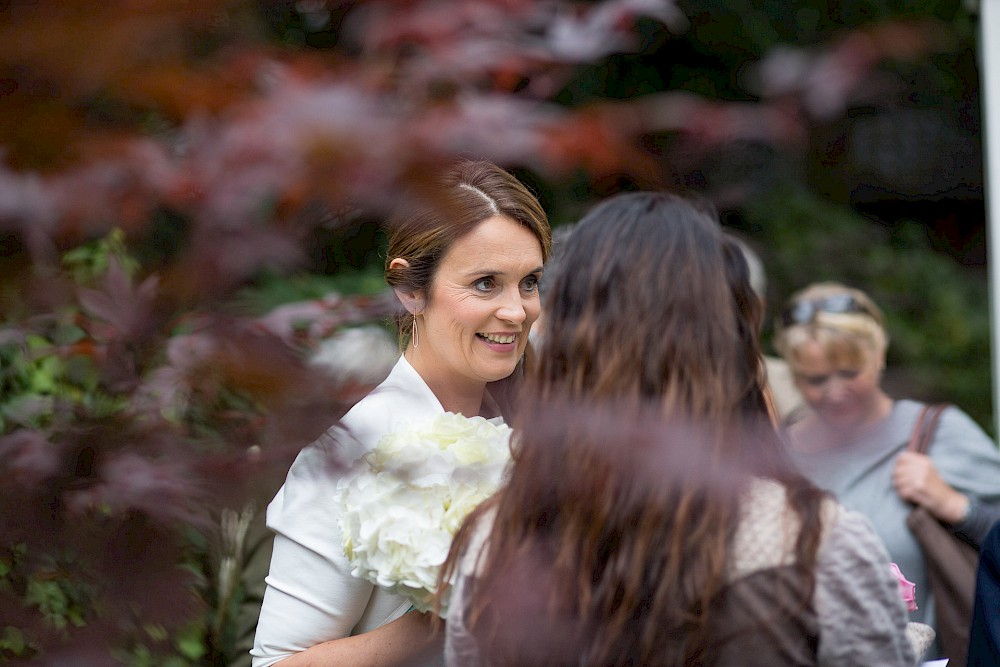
[639, 427]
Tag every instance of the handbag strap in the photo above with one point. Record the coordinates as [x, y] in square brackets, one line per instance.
[923, 429]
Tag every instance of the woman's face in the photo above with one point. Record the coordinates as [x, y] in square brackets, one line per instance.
[480, 306]
[842, 393]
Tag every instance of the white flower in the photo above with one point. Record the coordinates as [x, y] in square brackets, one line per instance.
[411, 493]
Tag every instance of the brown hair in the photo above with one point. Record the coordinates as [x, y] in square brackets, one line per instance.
[424, 229]
[641, 423]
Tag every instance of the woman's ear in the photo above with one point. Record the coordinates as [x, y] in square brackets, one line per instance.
[413, 300]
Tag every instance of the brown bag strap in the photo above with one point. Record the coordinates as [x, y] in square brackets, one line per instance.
[923, 429]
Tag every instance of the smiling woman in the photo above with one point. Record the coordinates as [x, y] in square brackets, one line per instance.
[464, 258]
[476, 314]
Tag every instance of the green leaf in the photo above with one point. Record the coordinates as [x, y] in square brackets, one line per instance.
[36, 342]
[140, 657]
[45, 375]
[12, 640]
[50, 600]
[75, 616]
[155, 631]
[91, 260]
[191, 644]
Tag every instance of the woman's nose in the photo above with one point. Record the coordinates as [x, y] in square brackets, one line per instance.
[835, 388]
[512, 308]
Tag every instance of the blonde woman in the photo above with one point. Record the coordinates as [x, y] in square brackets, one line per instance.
[854, 440]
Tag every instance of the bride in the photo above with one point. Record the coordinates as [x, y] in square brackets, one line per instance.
[465, 263]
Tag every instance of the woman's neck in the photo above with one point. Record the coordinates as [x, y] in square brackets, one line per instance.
[456, 394]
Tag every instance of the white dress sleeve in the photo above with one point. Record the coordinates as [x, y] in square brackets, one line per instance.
[861, 614]
[311, 596]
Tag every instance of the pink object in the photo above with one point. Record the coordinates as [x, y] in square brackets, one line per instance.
[906, 588]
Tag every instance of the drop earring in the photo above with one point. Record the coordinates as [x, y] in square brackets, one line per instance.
[413, 332]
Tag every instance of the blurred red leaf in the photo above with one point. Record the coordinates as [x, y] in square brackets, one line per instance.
[161, 489]
[125, 307]
[28, 458]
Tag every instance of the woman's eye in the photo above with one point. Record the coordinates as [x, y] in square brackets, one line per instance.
[849, 374]
[530, 284]
[484, 284]
[815, 380]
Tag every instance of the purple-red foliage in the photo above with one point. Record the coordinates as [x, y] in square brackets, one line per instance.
[205, 420]
[415, 84]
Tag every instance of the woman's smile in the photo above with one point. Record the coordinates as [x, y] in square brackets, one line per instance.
[499, 342]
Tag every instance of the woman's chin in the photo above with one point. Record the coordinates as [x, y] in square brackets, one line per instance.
[841, 419]
[498, 372]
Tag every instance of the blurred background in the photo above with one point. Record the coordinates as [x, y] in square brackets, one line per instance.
[190, 260]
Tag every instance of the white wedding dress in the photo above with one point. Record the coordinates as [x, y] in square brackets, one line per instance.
[311, 596]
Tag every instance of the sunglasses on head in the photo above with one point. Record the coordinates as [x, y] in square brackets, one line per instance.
[803, 312]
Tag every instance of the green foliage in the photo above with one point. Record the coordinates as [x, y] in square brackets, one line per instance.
[43, 377]
[62, 602]
[185, 649]
[272, 290]
[53, 372]
[191, 643]
[936, 311]
[90, 261]
[12, 642]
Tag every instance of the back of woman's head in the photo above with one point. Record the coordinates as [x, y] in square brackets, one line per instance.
[639, 310]
[629, 443]
[650, 326]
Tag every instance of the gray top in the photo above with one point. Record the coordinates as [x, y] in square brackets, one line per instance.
[859, 473]
[978, 522]
[857, 616]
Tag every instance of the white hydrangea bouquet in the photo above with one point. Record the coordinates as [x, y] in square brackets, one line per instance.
[411, 493]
